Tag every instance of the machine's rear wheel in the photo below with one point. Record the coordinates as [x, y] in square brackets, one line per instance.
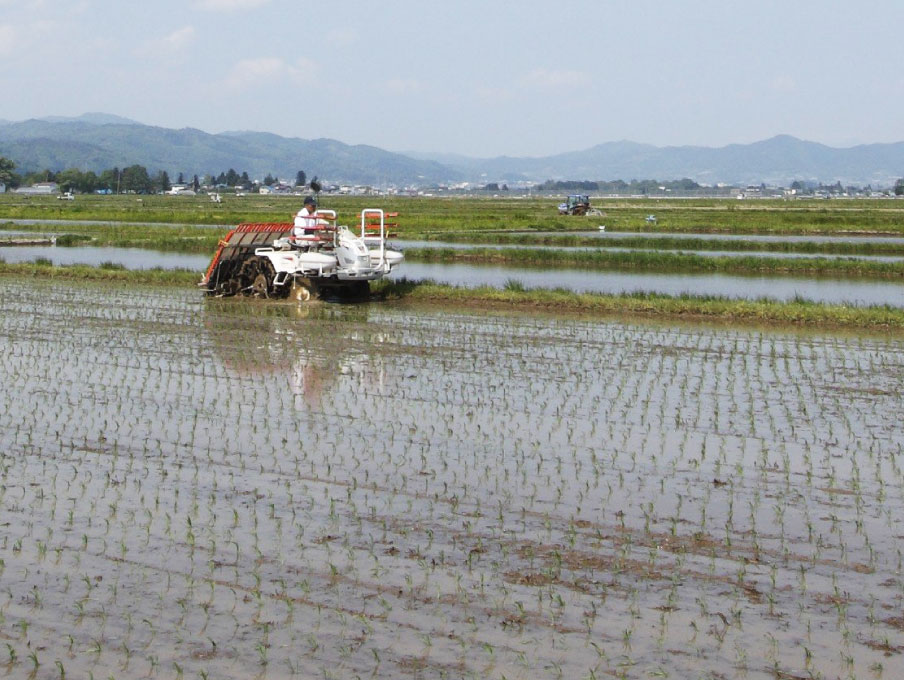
[257, 276]
[230, 287]
[260, 285]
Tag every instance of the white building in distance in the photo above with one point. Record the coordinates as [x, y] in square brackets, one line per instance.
[41, 188]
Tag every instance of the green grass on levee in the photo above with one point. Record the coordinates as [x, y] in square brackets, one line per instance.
[516, 297]
[425, 216]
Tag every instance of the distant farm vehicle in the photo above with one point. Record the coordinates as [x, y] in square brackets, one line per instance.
[650, 219]
[267, 261]
[66, 196]
[578, 204]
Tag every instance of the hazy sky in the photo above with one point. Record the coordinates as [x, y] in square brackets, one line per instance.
[476, 77]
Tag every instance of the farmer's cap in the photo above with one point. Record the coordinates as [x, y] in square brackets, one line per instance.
[310, 201]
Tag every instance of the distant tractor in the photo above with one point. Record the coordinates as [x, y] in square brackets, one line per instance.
[578, 204]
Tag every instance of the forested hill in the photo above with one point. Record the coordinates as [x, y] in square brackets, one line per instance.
[102, 141]
[97, 146]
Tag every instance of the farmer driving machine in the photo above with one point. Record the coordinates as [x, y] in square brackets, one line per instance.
[266, 260]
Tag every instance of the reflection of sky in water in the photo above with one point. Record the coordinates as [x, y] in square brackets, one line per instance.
[705, 253]
[781, 288]
[470, 275]
[131, 258]
[615, 235]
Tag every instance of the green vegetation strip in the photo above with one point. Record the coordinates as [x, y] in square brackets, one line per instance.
[673, 243]
[514, 297]
[662, 261]
[105, 272]
[797, 312]
[203, 240]
[422, 216]
[169, 238]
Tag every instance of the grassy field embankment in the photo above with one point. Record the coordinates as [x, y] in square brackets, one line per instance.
[516, 298]
[789, 244]
[637, 253]
[422, 216]
[175, 224]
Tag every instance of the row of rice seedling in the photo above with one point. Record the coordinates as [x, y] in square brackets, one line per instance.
[516, 296]
[219, 488]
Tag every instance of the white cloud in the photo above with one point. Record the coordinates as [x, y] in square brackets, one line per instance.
[180, 37]
[402, 85]
[248, 72]
[7, 39]
[547, 79]
[167, 46]
[342, 37]
[28, 6]
[494, 94]
[784, 84]
[230, 5]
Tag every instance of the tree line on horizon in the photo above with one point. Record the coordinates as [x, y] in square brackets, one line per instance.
[136, 179]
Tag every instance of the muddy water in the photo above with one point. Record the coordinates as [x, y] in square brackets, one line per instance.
[743, 287]
[242, 489]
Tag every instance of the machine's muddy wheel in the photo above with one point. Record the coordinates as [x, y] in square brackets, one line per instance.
[229, 288]
[303, 290]
[260, 285]
[257, 276]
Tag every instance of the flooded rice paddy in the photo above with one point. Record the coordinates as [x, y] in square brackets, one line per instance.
[710, 236]
[819, 289]
[703, 253]
[234, 489]
[823, 289]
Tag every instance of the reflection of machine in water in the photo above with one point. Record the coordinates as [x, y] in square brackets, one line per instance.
[305, 350]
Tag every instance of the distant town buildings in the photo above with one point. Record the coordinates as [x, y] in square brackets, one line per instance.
[649, 189]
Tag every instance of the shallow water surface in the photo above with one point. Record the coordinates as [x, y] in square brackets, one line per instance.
[244, 489]
[810, 238]
[130, 258]
[849, 291]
